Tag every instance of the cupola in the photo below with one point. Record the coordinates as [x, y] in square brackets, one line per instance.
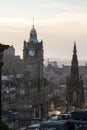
[33, 36]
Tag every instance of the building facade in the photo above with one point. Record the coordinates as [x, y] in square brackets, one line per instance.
[74, 84]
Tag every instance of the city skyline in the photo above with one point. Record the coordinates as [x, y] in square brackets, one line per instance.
[58, 23]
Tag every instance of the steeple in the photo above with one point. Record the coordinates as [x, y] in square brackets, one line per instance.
[74, 63]
[74, 50]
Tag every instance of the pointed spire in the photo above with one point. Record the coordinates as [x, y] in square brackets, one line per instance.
[74, 62]
[74, 50]
[74, 53]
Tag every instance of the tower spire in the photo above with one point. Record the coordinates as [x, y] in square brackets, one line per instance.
[74, 50]
[74, 63]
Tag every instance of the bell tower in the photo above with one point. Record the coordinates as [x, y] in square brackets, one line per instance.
[33, 55]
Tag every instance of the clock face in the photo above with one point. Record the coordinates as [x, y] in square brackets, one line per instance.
[31, 52]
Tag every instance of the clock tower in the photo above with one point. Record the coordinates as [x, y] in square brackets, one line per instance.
[33, 56]
[33, 59]
[32, 95]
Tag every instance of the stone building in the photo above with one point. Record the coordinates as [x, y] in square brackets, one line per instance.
[12, 63]
[74, 84]
[32, 87]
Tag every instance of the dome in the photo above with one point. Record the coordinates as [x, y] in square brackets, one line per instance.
[33, 36]
[33, 29]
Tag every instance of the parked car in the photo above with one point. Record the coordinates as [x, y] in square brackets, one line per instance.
[65, 116]
[33, 127]
[56, 117]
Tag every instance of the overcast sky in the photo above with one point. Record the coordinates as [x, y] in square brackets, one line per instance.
[58, 23]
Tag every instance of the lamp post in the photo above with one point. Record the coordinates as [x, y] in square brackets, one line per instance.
[2, 48]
